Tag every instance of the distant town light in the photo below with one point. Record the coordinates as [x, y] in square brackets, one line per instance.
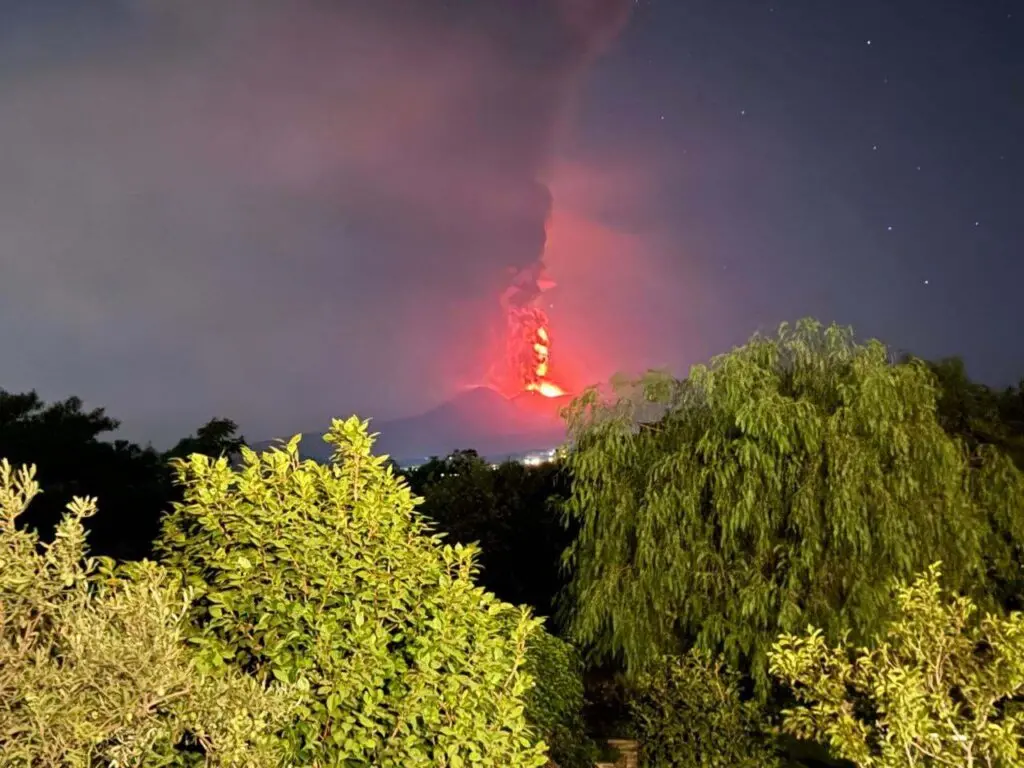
[529, 459]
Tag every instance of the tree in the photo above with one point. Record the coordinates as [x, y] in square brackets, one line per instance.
[942, 686]
[135, 483]
[94, 667]
[326, 578]
[979, 414]
[64, 440]
[216, 438]
[511, 512]
[784, 484]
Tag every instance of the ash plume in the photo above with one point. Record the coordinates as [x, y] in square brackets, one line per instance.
[198, 191]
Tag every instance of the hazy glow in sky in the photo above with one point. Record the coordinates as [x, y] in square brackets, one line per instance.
[280, 211]
[273, 209]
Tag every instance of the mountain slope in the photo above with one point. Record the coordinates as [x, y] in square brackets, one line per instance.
[480, 418]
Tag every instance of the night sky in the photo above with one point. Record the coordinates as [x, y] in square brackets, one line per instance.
[280, 211]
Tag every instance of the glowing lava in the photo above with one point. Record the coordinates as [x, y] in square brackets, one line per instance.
[542, 353]
[546, 388]
[530, 350]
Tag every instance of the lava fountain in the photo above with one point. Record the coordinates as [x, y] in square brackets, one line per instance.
[529, 335]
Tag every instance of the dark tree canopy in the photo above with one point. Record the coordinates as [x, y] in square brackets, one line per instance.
[216, 438]
[786, 483]
[68, 445]
[978, 414]
[511, 511]
[65, 442]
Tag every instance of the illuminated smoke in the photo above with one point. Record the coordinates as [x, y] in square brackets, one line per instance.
[591, 26]
[529, 335]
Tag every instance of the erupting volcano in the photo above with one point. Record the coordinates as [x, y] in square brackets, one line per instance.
[529, 337]
[530, 350]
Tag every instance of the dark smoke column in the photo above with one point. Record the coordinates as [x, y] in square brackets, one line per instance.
[586, 28]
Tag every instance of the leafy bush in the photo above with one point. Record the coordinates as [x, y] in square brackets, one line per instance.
[326, 577]
[554, 706]
[94, 667]
[688, 713]
[942, 686]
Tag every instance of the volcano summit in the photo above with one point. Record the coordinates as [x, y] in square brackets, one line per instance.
[480, 418]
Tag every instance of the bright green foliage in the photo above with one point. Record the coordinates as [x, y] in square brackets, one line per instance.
[784, 484]
[94, 667]
[326, 577]
[688, 713]
[937, 690]
[554, 706]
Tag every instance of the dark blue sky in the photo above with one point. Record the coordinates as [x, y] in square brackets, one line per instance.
[856, 161]
[285, 210]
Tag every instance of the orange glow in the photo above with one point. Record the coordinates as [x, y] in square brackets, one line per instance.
[530, 350]
[546, 388]
[529, 338]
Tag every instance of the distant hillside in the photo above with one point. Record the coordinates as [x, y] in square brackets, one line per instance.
[480, 418]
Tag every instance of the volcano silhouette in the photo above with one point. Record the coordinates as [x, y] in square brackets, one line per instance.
[479, 418]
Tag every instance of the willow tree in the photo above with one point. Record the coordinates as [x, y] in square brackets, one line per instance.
[785, 483]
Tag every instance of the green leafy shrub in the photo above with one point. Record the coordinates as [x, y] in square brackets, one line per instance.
[688, 712]
[94, 667]
[554, 706]
[327, 578]
[942, 686]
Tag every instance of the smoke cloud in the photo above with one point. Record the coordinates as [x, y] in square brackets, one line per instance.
[273, 210]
